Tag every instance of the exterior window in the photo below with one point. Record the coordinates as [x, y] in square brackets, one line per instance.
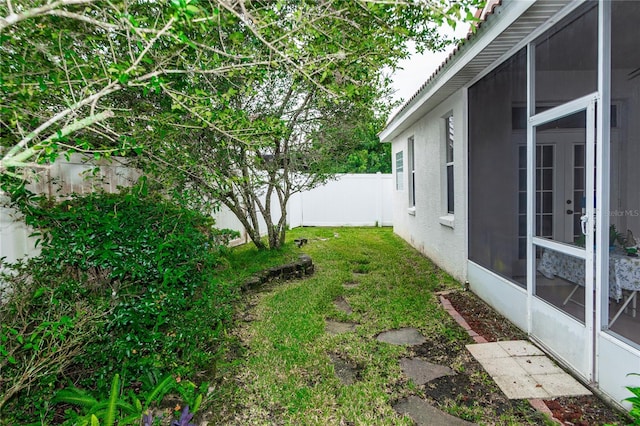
[412, 173]
[449, 161]
[399, 171]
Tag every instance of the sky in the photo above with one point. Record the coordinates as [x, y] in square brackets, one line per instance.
[413, 72]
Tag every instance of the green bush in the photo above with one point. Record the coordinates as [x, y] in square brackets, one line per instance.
[124, 284]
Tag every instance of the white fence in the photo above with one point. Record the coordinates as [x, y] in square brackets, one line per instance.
[350, 200]
[63, 177]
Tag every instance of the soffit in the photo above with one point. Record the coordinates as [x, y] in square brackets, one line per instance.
[507, 25]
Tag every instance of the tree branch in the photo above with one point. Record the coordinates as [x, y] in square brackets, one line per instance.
[14, 18]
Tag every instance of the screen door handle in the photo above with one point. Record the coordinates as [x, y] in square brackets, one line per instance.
[583, 223]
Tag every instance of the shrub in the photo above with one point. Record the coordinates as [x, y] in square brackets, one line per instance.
[125, 283]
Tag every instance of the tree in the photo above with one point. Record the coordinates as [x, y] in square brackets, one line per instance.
[224, 98]
[364, 153]
[292, 135]
[287, 132]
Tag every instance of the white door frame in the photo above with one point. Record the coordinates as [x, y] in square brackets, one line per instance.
[585, 334]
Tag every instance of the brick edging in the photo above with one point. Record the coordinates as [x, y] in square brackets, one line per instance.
[456, 316]
[539, 405]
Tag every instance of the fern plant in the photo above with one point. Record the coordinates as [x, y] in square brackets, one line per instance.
[104, 413]
[129, 409]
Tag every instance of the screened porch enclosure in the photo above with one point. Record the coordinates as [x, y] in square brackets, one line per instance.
[560, 158]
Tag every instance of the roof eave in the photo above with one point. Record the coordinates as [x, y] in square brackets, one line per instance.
[426, 98]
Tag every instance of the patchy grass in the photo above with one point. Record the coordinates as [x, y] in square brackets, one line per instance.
[283, 373]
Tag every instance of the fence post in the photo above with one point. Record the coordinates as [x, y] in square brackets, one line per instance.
[379, 198]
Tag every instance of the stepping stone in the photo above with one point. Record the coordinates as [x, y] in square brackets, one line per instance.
[336, 327]
[345, 371]
[425, 414]
[342, 305]
[350, 284]
[421, 371]
[402, 336]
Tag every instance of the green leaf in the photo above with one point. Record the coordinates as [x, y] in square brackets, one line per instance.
[164, 386]
[94, 420]
[192, 10]
[196, 404]
[75, 396]
[110, 415]
[38, 293]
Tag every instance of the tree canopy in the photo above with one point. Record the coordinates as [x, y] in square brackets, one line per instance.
[216, 97]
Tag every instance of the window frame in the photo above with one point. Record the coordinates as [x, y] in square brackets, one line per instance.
[412, 171]
[399, 171]
[449, 164]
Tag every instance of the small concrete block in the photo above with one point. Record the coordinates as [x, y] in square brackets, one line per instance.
[502, 367]
[424, 414]
[305, 260]
[487, 351]
[520, 348]
[402, 336]
[421, 371]
[538, 365]
[289, 268]
[520, 387]
[274, 272]
[253, 282]
[335, 327]
[561, 384]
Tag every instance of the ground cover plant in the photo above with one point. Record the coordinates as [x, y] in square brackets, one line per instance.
[286, 373]
[126, 286]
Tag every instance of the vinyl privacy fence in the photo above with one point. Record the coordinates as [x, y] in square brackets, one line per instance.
[349, 200]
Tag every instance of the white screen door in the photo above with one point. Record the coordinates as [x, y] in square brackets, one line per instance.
[560, 191]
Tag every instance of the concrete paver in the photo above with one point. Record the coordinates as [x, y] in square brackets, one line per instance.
[341, 304]
[519, 348]
[487, 351]
[336, 327]
[421, 371]
[538, 365]
[402, 336]
[424, 414]
[561, 384]
[520, 387]
[523, 371]
[503, 367]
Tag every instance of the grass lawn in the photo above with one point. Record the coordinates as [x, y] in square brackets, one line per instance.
[284, 373]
